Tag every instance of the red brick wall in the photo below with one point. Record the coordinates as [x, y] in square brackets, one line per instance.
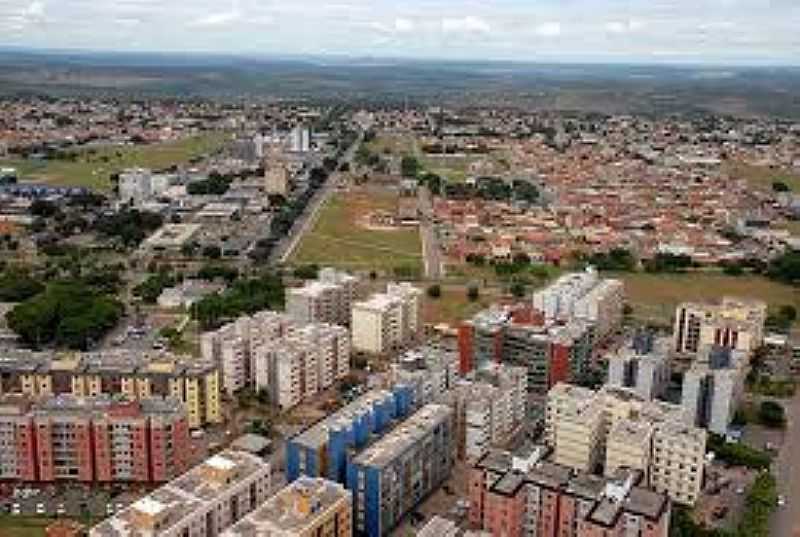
[25, 436]
[466, 336]
[102, 453]
[559, 364]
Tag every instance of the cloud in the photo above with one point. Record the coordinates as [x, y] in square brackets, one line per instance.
[624, 26]
[215, 20]
[404, 25]
[469, 24]
[549, 29]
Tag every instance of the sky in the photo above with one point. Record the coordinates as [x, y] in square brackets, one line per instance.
[653, 31]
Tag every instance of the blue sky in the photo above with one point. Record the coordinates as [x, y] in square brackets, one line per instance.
[696, 31]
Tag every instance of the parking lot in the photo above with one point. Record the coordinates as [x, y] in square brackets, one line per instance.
[724, 495]
[68, 501]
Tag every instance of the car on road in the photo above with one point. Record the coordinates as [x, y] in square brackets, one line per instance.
[781, 501]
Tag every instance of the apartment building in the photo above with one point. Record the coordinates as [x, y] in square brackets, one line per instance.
[138, 376]
[322, 449]
[90, 440]
[291, 360]
[392, 476]
[733, 323]
[328, 299]
[584, 296]
[137, 185]
[552, 351]
[431, 371]
[525, 493]
[490, 408]
[388, 321]
[308, 507]
[615, 428]
[203, 502]
[713, 387]
[642, 366]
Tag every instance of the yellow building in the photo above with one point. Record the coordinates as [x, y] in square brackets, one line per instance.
[305, 508]
[734, 323]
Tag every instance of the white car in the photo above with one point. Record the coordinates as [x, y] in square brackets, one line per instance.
[40, 509]
[15, 510]
[781, 501]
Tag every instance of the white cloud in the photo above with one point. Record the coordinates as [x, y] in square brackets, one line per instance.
[35, 10]
[549, 29]
[624, 26]
[217, 19]
[469, 24]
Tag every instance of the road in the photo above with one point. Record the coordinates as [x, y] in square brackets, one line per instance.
[786, 520]
[432, 253]
[286, 247]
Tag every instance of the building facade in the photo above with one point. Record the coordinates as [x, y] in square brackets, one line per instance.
[328, 299]
[733, 323]
[389, 478]
[93, 440]
[387, 322]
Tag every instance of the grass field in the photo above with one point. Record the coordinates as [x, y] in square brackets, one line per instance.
[92, 168]
[763, 177]
[655, 296]
[338, 239]
[21, 526]
[454, 306]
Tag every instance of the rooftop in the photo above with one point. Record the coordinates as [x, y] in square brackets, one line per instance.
[406, 435]
[294, 509]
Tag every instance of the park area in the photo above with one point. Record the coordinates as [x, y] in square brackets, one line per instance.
[92, 167]
[655, 296]
[340, 238]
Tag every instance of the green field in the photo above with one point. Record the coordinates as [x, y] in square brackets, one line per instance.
[338, 239]
[763, 177]
[23, 526]
[655, 296]
[93, 167]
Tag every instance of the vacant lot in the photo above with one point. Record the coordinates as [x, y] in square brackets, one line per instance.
[655, 296]
[454, 306]
[763, 177]
[339, 239]
[93, 166]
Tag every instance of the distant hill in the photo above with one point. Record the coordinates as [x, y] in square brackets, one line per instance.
[741, 91]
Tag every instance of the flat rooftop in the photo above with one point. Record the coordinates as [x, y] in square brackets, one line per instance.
[409, 433]
[293, 510]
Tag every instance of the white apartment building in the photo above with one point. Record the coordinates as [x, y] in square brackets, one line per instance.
[203, 502]
[387, 321]
[291, 360]
[617, 428]
[734, 323]
[430, 371]
[137, 185]
[713, 387]
[584, 296]
[647, 373]
[328, 299]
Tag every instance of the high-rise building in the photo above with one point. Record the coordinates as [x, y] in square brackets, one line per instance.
[137, 186]
[328, 299]
[713, 387]
[615, 427]
[272, 351]
[392, 476]
[387, 321]
[93, 440]
[307, 507]
[204, 501]
[644, 368]
[322, 450]
[300, 139]
[733, 323]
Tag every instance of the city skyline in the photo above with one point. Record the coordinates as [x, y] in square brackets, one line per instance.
[705, 32]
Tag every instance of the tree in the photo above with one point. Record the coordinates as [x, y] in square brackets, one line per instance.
[518, 289]
[212, 251]
[435, 291]
[307, 272]
[785, 268]
[409, 166]
[16, 286]
[780, 186]
[473, 293]
[772, 414]
[788, 312]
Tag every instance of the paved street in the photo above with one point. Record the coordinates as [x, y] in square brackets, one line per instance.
[434, 267]
[284, 249]
[786, 520]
